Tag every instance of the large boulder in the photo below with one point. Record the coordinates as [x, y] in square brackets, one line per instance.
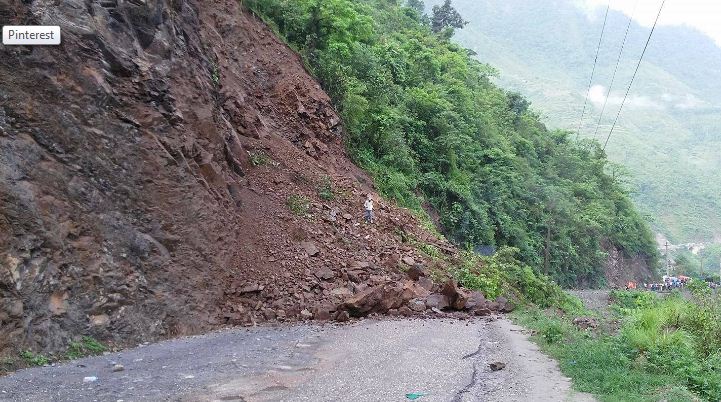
[438, 301]
[504, 305]
[451, 291]
[383, 297]
[416, 272]
[412, 290]
[376, 299]
[477, 304]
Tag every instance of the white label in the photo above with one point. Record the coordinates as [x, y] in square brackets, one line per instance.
[30, 35]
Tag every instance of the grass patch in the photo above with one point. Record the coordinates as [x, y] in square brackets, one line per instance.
[87, 346]
[34, 359]
[298, 204]
[258, 158]
[325, 189]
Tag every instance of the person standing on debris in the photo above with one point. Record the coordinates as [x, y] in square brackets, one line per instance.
[368, 206]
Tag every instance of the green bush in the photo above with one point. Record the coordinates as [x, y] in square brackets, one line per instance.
[503, 274]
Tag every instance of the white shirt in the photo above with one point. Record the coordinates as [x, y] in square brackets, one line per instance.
[368, 205]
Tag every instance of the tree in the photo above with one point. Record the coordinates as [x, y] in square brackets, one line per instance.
[446, 17]
[417, 5]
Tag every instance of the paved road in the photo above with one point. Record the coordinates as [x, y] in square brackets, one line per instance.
[447, 360]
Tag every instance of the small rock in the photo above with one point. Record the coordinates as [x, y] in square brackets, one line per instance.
[342, 292]
[451, 291]
[310, 248]
[417, 305]
[504, 305]
[426, 283]
[249, 288]
[360, 265]
[99, 320]
[415, 272]
[118, 367]
[325, 274]
[342, 316]
[355, 276]
[269, 314]
[322, 313]
[306, 314]
[405, 311]
[90, 379]
[15, 308]
[347, 217]
[408, 260]
[496, 366]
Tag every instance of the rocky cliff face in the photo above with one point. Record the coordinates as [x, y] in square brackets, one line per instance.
[619, 268]
[166, 171]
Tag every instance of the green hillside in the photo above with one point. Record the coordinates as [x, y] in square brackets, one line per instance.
[425, 120]
[670, 130]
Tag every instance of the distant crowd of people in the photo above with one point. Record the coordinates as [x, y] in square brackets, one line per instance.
[669, 283]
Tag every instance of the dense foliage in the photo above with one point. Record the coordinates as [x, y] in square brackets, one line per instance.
[667, 348]
[424, 118]
[503, 275]
[668, 132]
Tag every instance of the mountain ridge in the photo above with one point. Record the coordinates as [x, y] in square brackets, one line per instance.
[669, 126]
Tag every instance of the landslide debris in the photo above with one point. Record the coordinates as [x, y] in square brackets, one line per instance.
[172, 168]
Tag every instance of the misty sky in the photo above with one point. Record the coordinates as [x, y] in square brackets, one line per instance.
[704, 15]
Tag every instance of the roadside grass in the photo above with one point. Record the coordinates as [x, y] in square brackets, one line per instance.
[666, 348]
[85, 346]
[597, 363]
[34, 359]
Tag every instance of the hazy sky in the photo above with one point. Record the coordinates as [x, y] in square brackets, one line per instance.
[704, 15]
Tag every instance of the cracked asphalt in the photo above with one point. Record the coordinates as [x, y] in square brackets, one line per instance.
[442, 359]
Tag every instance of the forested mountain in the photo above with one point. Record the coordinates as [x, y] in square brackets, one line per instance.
[426, 120]
[670, 130]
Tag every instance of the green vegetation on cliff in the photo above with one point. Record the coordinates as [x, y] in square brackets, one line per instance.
[425, 119]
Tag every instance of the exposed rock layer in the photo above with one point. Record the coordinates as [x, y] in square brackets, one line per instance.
[160, 175]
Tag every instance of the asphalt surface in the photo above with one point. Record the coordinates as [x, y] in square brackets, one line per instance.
[442, 360]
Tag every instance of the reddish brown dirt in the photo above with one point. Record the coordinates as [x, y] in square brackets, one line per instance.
[145, 170]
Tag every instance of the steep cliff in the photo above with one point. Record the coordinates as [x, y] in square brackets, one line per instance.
[169, 169]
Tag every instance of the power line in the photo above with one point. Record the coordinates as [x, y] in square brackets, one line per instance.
[593, 71]
[634, 74]
[615, 70]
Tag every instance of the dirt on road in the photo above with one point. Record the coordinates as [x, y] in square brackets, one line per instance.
[442, 360]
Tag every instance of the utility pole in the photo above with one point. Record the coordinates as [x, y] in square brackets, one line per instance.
[701, 267]
[668, 262]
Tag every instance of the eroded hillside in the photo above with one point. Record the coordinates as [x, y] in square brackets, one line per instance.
[172, 168]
